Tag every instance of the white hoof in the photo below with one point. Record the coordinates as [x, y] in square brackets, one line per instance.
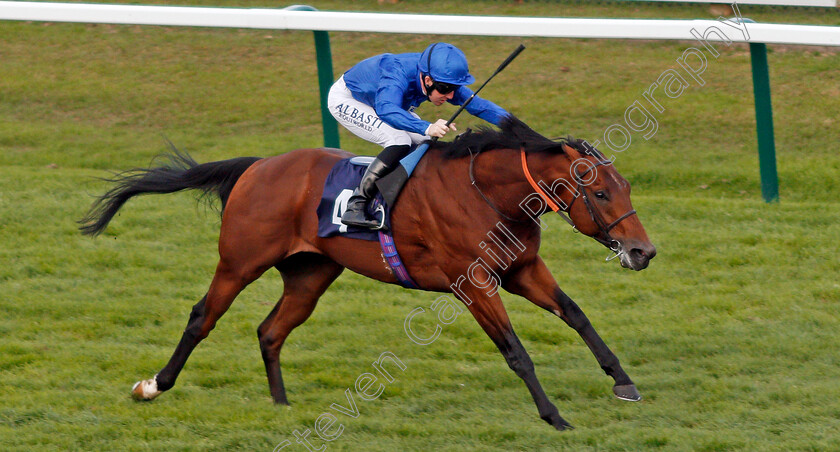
[145, 390]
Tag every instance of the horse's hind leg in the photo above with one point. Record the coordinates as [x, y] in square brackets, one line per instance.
[305, 278]
[226, 285]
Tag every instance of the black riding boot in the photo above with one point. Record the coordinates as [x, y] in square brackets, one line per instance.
[356, 213]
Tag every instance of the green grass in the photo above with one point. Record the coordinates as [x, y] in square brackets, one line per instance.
[730, 334]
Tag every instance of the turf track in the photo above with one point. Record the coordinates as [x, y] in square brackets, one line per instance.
[730, 335]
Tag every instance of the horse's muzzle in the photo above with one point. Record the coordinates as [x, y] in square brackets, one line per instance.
[637, 257]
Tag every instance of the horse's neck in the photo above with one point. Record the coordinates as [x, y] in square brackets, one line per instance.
[550, 176]
[497, 180]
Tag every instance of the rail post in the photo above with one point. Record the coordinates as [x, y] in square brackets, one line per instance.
[764, 123]
[323, 56]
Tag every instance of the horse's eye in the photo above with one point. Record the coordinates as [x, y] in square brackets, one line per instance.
[600, 195]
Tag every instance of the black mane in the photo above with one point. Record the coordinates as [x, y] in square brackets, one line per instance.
[512, 134]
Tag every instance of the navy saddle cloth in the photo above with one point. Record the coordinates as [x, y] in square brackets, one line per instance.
[342, 180]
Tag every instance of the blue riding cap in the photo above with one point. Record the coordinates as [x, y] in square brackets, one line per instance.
[445, 63]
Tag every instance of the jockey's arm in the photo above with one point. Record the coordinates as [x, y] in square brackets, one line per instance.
[482, 108]
[389, 110]
[389, 99]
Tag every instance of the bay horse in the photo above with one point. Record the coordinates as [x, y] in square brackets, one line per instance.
[458, 192]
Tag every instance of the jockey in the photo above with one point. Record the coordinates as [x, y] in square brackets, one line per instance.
[376, 99]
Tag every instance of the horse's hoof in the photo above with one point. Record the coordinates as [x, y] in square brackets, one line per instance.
[564, 426]
[627, 392]
[558, 422]
[145, 390]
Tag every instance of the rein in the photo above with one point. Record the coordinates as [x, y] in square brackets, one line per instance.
[607, 240]
[486, 199]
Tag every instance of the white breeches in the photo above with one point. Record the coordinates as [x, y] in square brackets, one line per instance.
[362, 120]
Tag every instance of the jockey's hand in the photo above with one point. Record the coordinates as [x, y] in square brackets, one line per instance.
[439, 128]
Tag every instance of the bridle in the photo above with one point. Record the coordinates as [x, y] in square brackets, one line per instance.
[603, 238]
[606, 239]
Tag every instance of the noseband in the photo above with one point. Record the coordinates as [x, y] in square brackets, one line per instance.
[594, 212]
[605, 238]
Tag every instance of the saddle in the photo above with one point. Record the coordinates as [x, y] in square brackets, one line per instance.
[345, 177]
[338, 188]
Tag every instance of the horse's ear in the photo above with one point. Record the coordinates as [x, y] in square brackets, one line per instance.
[571, 152]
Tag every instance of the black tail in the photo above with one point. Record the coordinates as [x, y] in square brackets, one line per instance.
[180, 173]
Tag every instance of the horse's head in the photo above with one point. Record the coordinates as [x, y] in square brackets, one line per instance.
[569, 176]
[597, 200]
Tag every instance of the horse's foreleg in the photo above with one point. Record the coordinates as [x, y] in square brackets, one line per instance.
[491, 315]
[305, 278]
[535, 283]
[225, 287]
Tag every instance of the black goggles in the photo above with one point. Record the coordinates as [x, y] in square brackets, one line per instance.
[443, 88]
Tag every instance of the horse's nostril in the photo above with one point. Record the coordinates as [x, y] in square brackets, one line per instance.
[638, 253]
